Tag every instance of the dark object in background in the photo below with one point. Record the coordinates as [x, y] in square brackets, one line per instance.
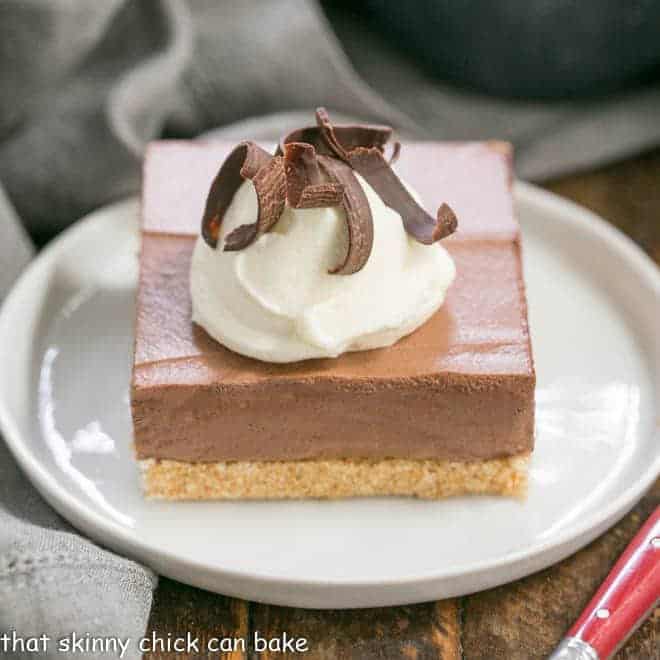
[528, 48]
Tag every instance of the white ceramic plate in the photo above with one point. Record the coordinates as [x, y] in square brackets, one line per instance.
[65, 358]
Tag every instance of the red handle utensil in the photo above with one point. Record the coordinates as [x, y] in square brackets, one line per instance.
[624, 600]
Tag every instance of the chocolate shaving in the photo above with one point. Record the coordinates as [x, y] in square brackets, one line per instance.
[328, 134]
[447, 222]
[315, 167]
[247, 161]
[371, 164]
[347, 136]
[320, 180]
[306, 186]
[270, 185]
[358, 215]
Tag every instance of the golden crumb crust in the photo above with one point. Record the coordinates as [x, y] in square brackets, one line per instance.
[333, 479]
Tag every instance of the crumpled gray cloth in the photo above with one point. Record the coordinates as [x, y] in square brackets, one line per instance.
[85, 85]
[56, 583]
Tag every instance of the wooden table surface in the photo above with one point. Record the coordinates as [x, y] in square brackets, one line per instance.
[520, 621]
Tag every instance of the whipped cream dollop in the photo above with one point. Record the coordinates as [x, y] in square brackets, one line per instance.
[276, 301]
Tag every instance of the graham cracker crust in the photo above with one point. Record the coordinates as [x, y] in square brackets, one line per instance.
[333, 479]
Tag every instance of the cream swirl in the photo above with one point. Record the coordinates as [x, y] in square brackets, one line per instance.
[276, 301]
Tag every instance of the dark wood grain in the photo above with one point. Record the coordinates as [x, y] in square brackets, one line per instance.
[179, 610]
[526, 619]
[429, 630]
[520, 621]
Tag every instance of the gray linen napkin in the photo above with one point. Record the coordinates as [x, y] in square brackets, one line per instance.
[55, 583]
[85, 85]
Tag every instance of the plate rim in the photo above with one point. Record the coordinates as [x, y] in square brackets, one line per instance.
[111, 533]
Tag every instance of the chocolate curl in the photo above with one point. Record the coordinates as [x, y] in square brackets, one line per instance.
[371, 164]
[359, 222]
[247, 161]
[328, 134]
[315, 167]
[341, 140]
[305, 184]
[316, 181]
[270, 185]
[346, 136]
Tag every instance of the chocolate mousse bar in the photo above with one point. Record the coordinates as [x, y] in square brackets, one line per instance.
[447, 410]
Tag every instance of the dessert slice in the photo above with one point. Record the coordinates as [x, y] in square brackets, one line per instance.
[446, 409]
